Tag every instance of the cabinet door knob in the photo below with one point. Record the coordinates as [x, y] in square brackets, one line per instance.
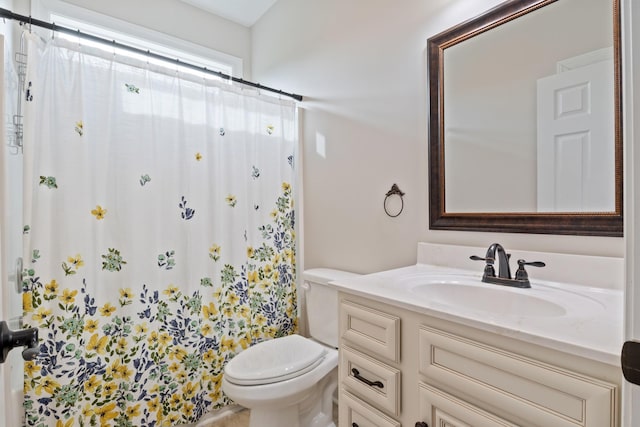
[421, 424]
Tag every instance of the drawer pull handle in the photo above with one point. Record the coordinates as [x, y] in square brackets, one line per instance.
[421, 424]
[370, 383]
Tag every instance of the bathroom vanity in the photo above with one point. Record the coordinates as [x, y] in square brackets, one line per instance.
[431, 345]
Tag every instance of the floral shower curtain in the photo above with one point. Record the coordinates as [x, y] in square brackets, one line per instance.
[159, 235]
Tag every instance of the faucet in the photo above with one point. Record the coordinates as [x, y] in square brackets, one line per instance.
[22, 338]
[521, 279]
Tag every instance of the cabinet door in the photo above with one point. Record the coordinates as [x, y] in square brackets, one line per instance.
[356, 413]
[438, 408]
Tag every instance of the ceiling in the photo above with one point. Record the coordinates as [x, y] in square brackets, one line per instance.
[243, 12]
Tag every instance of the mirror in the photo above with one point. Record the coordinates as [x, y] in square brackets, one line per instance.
[525, 120]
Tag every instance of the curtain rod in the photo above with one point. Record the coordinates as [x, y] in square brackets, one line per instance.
[7, 14]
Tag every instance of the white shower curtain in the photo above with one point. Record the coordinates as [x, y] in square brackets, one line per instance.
[159, 233]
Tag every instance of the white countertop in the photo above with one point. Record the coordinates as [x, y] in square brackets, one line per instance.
[589, 324]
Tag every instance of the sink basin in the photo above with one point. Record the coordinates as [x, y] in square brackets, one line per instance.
[484, 298]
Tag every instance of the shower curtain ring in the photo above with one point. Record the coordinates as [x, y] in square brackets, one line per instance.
[30, 20]
[53, 31]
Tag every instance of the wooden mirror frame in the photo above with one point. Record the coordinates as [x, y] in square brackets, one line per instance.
[586, 224]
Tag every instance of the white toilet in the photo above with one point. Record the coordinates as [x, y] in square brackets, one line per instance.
[290, 381]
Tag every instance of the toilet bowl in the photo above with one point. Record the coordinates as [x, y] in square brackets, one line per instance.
[290, 381]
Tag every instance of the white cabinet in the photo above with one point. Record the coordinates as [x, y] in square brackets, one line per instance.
[451, 375]
[370, 380]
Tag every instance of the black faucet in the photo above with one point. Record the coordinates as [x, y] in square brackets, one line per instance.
[22, 338]
[521, 280]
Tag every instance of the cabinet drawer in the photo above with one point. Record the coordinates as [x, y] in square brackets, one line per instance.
[375, 382]
[373, 330]
[354, 412]
[438, 408]
[542, 394]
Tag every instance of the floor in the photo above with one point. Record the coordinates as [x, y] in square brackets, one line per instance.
[241, 419]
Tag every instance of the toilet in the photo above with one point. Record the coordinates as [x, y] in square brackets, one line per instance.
[291, 381]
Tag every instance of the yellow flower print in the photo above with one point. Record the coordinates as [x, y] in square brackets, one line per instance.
[153, 404]
[276, 259]
[198, 156]
[260, 319]
[214, 252]
[68, 296]
[267, 269]
[69, 423]
[227, 311]
[178, 353]
[126, 293]
[121, 345]
[209, 356]
[51, 288]
[181, 377]
[133, 411]
[91, 325]
[91, 384]
[209, 311]
[174, 367]
[244, 311]
[141, 328]
[41, 314]
[98, 344]
[286, 186]
[274, 213]
[80, 128]
[87, 411]
[231, 200]
[123, 372]
[227, 344]
[31, 369]
[187, 410]
[175, 400]
[189, 390]
[205, 330]
[165, 339]
[107, 309]
[245, 342]
[215, 395]
[76, 262]
[27, 302]
[250, 252]
[48, 385]
[233, 299]
[99, 212]
[173, 419]
[171, 291]
[106, 412]
[153, 338]
[252, 277]
[276, 276]
[110, 388]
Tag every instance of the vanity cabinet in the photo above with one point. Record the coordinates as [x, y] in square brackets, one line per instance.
[369, 373]
[459, 376]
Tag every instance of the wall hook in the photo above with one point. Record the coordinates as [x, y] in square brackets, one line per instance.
[395, 190]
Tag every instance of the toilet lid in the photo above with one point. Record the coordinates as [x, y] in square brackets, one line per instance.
[274, 361]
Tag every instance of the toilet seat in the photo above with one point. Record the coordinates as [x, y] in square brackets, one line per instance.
[274, 361]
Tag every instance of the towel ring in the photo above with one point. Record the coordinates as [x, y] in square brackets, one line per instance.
[394, 191]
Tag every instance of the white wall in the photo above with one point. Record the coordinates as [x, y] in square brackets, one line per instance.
[181, 20]
[361, 66]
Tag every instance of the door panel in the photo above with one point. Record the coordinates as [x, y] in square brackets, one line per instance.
[576, 140]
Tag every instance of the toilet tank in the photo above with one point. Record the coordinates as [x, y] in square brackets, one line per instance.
[322, 303]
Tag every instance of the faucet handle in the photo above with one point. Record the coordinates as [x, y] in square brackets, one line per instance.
[489, 271]
[521, 273]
